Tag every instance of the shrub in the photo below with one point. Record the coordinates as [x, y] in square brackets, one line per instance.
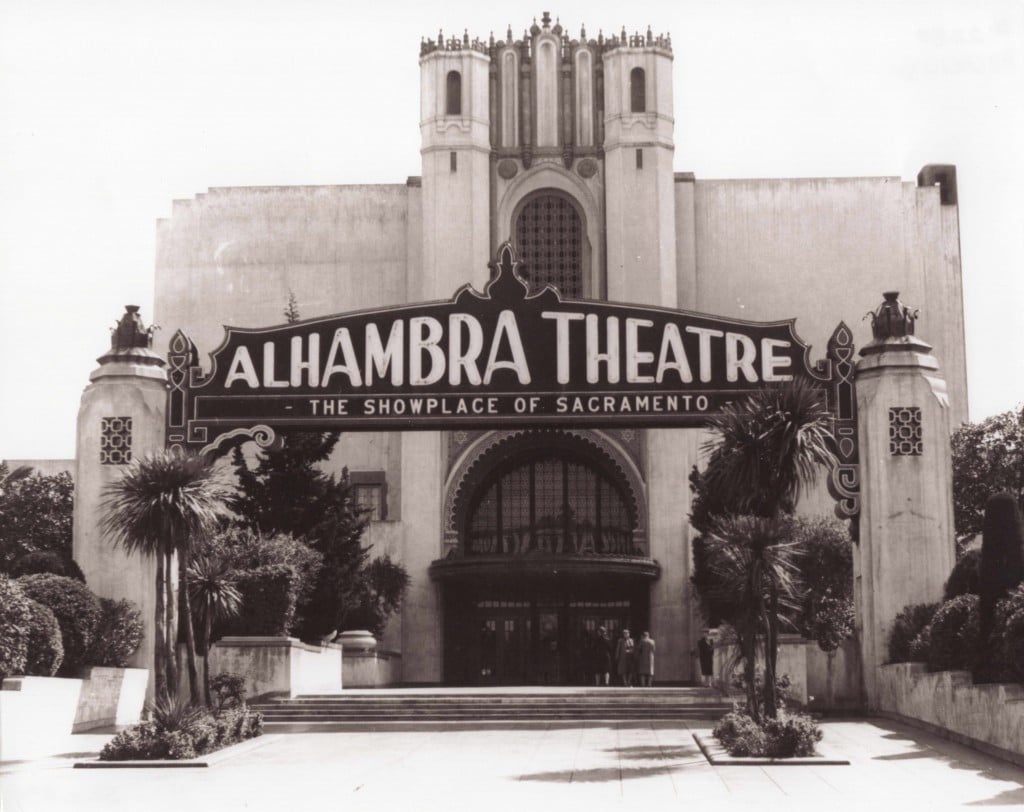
[171, 713]
[45, 649]
[228, 690]
[908, 624]
[1008, 637]
[740, 735]
[964, 579]
[47, 562]
[146, 742]
[15, 622]
[244, 549]
[179, 730]
[954, 635]
[77, 611]
[268, 602]
[118, 634]
[791, 735]
[921, 645]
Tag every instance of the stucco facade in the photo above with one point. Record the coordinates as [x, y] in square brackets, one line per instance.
[588, 125]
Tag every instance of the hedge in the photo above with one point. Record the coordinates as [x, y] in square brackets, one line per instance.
[15, 623]
[269, 595]
[77, 610]
[954, 635]
[45, 646]
[118, 634]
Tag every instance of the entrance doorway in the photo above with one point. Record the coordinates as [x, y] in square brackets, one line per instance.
[536, 634]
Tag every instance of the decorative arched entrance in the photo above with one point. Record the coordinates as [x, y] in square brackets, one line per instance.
[550, 547]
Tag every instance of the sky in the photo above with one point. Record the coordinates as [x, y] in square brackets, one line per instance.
[109, 111]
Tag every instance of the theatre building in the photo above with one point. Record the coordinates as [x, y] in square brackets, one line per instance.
[523, 531]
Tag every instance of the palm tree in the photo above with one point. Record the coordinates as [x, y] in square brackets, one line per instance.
[768, 447]
[766, 450]
[161, 506]
[755, 575]
[213, 590]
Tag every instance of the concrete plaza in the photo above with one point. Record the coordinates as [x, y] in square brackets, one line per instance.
[538, 767]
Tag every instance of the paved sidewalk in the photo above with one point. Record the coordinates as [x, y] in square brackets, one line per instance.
[655, 765]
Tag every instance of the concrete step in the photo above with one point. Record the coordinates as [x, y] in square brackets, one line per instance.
[371, 709]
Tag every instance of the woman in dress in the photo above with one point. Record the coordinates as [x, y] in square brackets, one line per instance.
[645, 660]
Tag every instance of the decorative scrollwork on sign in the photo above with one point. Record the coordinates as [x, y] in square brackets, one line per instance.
[837, 371]
[263, 436]
[181, 358]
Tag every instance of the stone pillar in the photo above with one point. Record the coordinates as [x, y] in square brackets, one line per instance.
[906, 547]
[120, 419]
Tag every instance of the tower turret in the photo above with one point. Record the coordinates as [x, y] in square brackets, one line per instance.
[639, 181]
[455, 149]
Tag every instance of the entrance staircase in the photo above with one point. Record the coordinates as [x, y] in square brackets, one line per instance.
[476, 708]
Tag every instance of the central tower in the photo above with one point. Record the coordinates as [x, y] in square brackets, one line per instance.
[563, 146]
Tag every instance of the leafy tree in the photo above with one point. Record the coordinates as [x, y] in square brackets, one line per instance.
[988, 457]
[826, 568]
[35, 514]
[765, 451]
[161, 506]
[286, 492]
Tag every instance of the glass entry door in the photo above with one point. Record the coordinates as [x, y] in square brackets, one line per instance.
[505, 642]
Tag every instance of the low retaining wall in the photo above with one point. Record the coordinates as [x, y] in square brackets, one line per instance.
[110, 696]
[371, 669]
[36, 716]
[814, 681]
[988, 717]
[278, 666]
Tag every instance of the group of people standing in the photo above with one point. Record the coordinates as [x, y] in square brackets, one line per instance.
[631, 659]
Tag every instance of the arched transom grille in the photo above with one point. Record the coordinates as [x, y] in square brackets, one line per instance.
[549, 238]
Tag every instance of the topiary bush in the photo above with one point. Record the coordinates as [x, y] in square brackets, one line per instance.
[47, 562]
[909, 623]
[954, 635]
[118, 634]
[1001, 569]
[791, 735]
[268, 602]
[45, 649]
[77, 610]
[965, 578]
[15, 624]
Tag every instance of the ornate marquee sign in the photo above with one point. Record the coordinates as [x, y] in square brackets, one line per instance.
[496, 359]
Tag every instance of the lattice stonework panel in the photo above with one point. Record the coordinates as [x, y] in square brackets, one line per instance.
[905, 431]
[549, 237]
[115, 440]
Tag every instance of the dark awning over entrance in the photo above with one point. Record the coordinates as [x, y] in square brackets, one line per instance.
[478, 567]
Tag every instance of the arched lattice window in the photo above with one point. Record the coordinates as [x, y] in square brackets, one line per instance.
[550, 503]
[453, 94]
[637, 91]
[549, 238]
